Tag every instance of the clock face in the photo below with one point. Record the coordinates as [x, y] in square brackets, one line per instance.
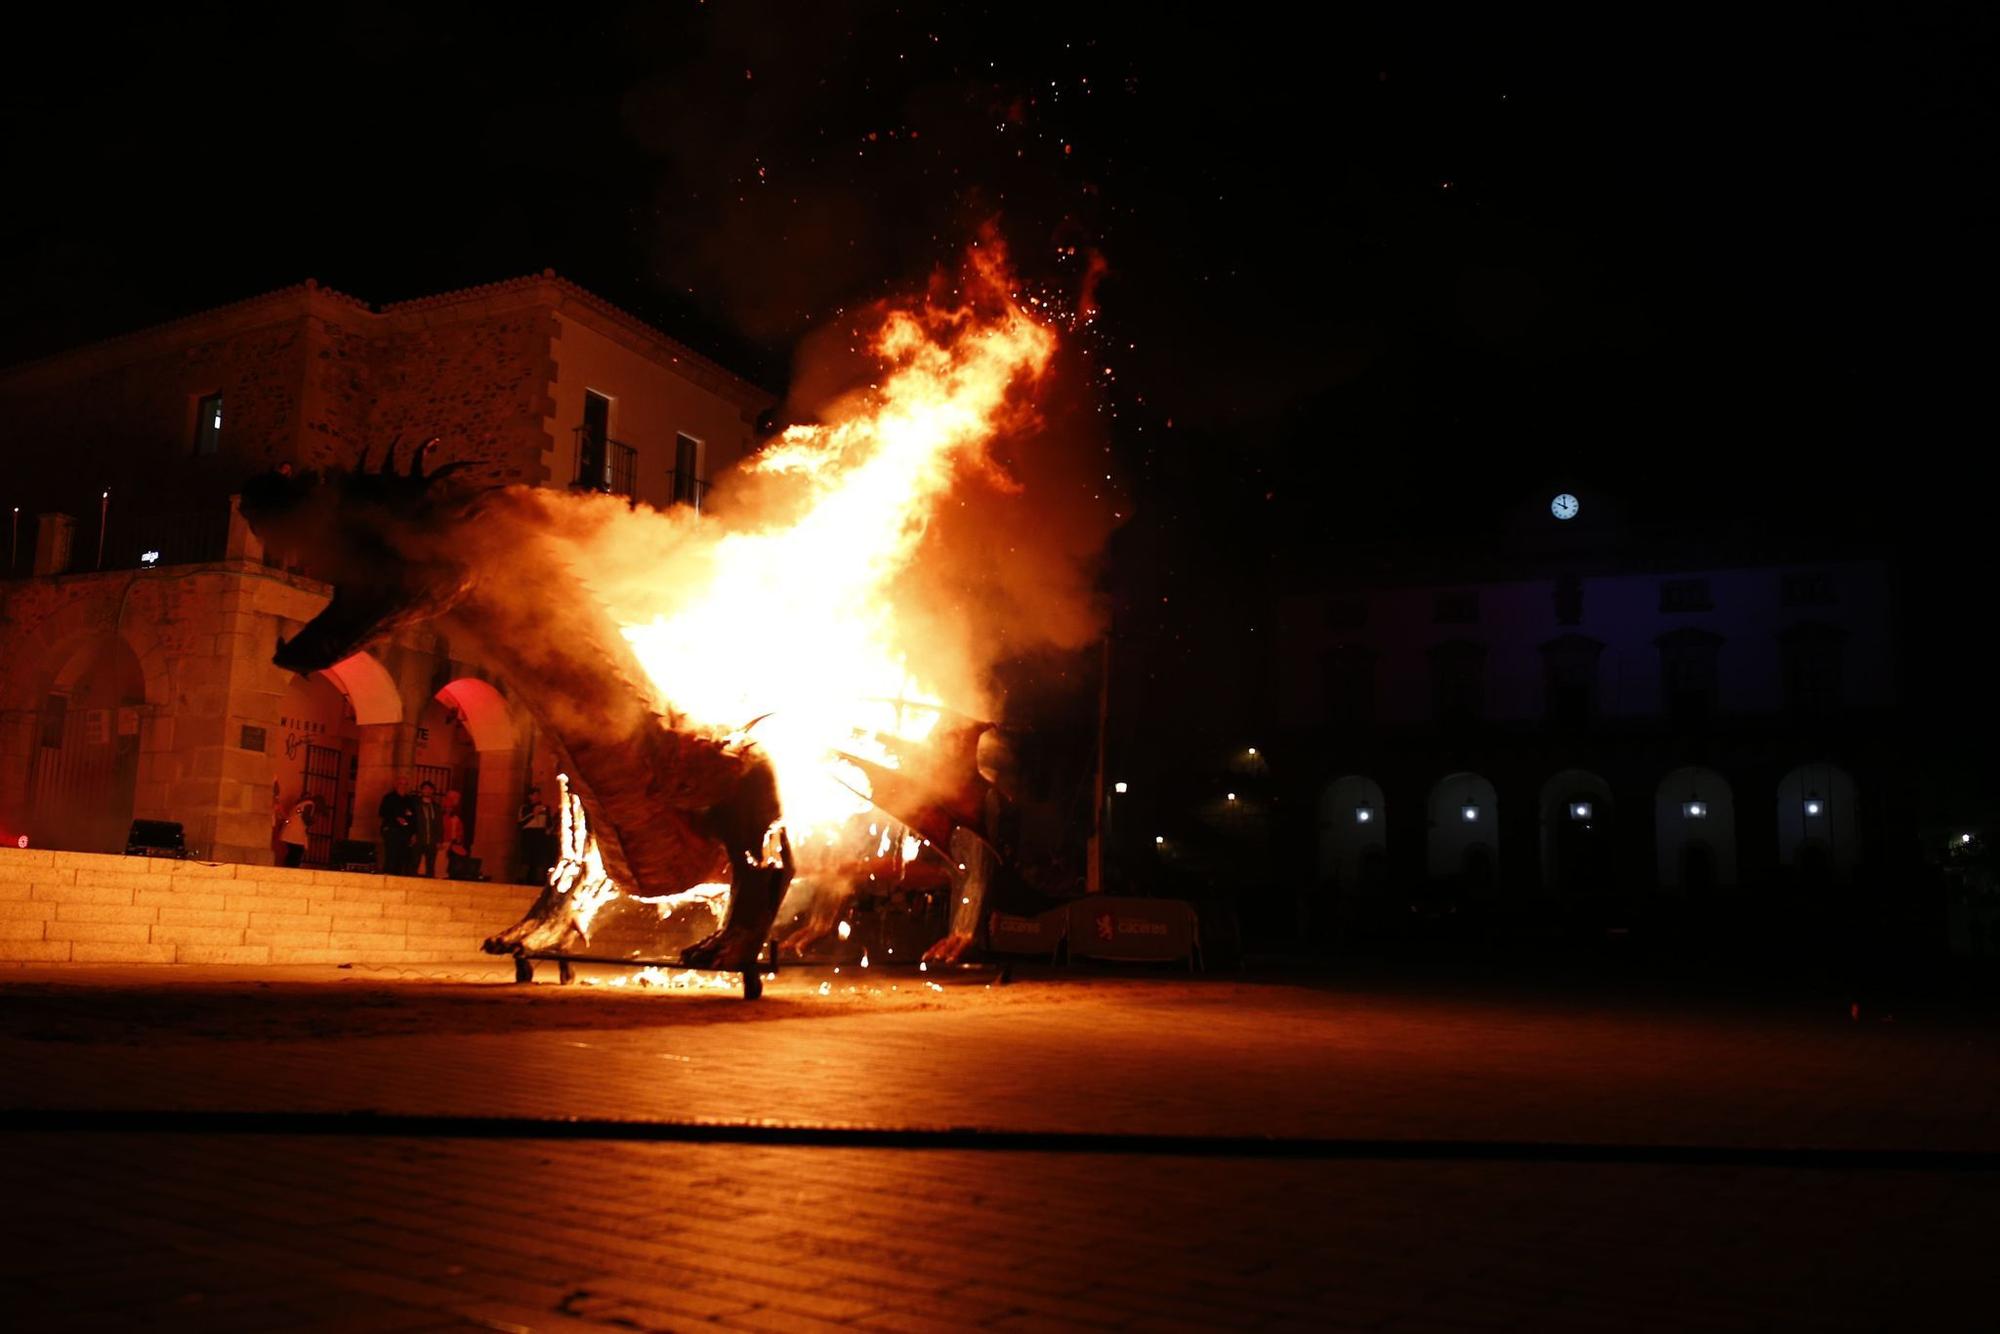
[1563, 506]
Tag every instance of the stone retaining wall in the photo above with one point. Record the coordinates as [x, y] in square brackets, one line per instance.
[81, 907]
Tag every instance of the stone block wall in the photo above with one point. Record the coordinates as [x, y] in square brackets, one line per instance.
[85, 908]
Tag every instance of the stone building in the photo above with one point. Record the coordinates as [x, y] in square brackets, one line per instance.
[139, 614]
[1587, 716]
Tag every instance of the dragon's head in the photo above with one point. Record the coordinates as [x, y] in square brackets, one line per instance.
[382, 538]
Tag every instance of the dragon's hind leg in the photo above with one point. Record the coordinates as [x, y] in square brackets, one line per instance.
[757, 883]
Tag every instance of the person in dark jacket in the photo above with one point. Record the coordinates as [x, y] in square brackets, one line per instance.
[397, 814]
[427, 826]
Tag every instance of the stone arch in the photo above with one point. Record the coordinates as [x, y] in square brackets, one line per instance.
[1694, 824]
[83, 765]
[1819, 826]
[1463, 838]
[1353, 833]
[370, 690]
[483, 710]
[1578, 833]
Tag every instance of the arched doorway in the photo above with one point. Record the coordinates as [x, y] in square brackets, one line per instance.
[85, 767]
[1353, 833]
[1578, 818]
[1819, 826]
[1462, 844]
[317, 745]
[1694, 822]
[485, 760]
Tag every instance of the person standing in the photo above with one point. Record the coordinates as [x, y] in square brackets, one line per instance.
[397, 814]
[455, 850]
[538, 838]
[426, 830]
[297, 832]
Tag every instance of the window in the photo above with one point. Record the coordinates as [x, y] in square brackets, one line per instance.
[1456, 609]
[1458, 681]
[1809, 588]
[1812, 663]
[1685, 595]
[687, 485]
[1569, 677]
[1688, 688]
[1349, 678]
[1569, 600]
[593, 466]
[208, 424]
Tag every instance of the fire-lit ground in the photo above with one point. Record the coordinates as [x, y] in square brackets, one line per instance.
[114, 1228]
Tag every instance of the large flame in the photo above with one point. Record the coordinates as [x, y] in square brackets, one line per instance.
[796, 623]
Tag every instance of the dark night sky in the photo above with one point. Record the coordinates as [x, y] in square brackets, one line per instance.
[1377, 272]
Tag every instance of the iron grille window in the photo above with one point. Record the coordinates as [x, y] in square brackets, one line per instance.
[603, 464]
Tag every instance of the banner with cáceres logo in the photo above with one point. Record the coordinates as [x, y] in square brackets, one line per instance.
[1105, 927]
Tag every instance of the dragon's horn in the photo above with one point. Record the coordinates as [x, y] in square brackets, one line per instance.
[417, 458]
[456, 465]
[389, 458]
[361, 464]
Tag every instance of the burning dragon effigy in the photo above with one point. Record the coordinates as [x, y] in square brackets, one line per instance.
[741, 700]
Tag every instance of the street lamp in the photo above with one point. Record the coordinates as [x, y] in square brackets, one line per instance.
[1120, 788]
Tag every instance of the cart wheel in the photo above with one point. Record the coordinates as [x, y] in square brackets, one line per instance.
[524, 969]
[753, 984]
[564, 973]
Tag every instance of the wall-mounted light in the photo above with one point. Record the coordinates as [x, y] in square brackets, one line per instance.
[1579, 810]
[1814, 806]
[1120, 788]
[1695, 809]
[1363, 813]
[1469, 813]
[149, 558]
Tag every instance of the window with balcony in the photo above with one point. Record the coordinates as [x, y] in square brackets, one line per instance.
[1569, 675]
[684, 483]
[603, 464]
[1456, 608]
[1458, 681]
[1688, 680]
[1812, 658]
[1348, 673]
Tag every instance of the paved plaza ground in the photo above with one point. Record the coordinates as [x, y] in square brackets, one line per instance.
[1565, 1155]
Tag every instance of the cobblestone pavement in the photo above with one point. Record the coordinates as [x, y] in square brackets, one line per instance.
[111, 1230]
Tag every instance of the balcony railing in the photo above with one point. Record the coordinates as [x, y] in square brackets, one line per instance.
[604, 464]
[684, 488]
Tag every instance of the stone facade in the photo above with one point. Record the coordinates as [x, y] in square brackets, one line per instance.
[149, 693]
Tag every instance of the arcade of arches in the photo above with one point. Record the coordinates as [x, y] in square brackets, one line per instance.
[1582, 827]
[151, 695]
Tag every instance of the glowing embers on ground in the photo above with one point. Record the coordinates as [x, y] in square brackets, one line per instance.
[820, 578]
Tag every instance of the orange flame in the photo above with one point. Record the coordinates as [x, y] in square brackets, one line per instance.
[797, 622]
